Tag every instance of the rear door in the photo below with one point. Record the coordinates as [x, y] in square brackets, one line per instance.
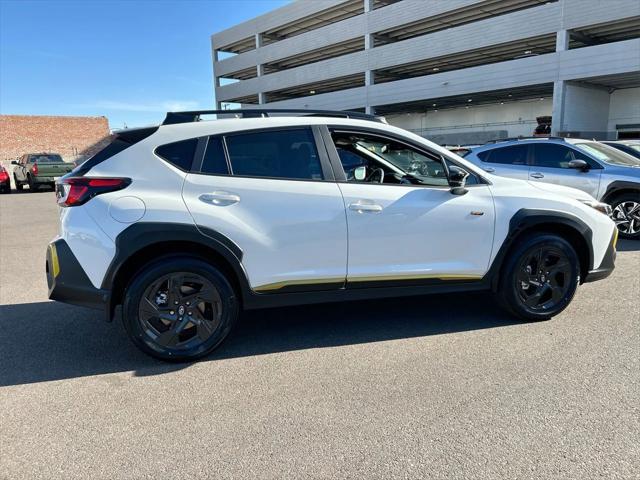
[272, 193]
[550, 164]
[508, 161]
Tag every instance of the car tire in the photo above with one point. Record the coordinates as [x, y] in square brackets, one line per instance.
[32, 184]
[626, 214]
[540, 277]
[18, 184]
[163, 323]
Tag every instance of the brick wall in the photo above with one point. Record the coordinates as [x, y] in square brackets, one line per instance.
[71, 137]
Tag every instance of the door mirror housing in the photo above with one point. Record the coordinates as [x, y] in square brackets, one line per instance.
[457, 180]
[360, 173]
[579, 165]
[14, 162]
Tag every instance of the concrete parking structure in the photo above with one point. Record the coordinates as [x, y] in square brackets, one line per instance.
[461, 71]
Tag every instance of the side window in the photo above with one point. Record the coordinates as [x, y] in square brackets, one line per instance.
[371, 158]
[277, 154]
[31, 159]
[214, 161]
[179, 154]
[551, 155]
[514, 155]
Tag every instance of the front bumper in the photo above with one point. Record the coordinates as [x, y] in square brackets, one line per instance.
[608, 262]
[68, 282]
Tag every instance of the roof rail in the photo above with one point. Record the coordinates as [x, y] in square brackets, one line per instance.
[194, 115]
[511, 139]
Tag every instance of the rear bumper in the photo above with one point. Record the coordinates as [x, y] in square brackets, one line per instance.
[608, 262]
[68, 282]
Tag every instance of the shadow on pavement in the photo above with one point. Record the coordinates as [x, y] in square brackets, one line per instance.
[52, 341]
[628, 245]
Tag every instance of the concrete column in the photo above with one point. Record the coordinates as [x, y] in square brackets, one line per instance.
[260, 71]
[557, 110]
[368, 6]
[562, 41]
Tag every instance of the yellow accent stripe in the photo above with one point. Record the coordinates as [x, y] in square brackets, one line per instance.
[287, 283]
[615, 237]
[318, 281]
[55, 264]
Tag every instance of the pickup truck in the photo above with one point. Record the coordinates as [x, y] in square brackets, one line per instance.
[36, 169]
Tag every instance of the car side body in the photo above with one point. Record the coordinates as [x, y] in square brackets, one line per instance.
[284, 235]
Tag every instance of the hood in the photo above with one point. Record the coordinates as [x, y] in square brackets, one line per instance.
[569, 192]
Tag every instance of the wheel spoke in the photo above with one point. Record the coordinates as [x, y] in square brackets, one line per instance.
[533, 300]
[561, 267]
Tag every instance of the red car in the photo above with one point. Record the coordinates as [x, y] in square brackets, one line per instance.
[5, 182]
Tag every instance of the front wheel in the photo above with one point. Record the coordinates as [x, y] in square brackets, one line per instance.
[626, 214]
[179, 309]
[540, 278]
[18, 184]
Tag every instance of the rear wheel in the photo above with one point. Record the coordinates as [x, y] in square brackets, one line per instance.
[32, 184]
[179, 309]
[540, 278]
[626, 214]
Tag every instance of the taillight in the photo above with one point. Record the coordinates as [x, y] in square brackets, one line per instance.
[74, 191]
[35, 169]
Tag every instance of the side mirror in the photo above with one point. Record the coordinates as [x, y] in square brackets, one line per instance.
[14, 162]
[360, 173]
[579, 165]
[457, 180]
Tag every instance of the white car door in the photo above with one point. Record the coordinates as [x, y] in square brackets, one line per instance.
[400, 232]
[273, 197]
[550, 164]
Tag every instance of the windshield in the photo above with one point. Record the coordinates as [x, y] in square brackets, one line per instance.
[608, 154]
[54, 158]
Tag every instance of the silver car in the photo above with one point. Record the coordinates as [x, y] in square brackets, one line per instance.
[607, 174]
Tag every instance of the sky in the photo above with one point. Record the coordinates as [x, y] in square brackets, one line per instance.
[131, 61]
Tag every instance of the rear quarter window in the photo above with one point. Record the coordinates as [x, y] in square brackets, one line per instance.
[180, 154]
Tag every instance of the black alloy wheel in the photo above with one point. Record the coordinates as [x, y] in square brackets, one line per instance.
[540, 277]
[543, 278]
[179, 308]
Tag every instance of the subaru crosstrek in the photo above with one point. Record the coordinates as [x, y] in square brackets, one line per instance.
[608, 174]
[181, 226]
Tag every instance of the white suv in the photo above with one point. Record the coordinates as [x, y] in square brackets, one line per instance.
[183, 225]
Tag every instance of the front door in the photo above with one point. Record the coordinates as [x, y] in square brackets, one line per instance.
[410, 228]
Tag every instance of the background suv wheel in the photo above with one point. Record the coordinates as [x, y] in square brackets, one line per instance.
[179, 309]
[626, 214]
[540, 277]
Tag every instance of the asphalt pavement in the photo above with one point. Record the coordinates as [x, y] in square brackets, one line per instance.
[432, 387]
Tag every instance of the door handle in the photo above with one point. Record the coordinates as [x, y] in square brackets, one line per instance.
[361, 207]
[489, 169]
[221, 199]
[536, 175]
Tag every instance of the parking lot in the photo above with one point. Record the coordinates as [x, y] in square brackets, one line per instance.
[441, 387]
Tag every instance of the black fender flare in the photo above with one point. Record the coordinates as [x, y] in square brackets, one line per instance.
[141, 235]
[620, 185]
[526, 218]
